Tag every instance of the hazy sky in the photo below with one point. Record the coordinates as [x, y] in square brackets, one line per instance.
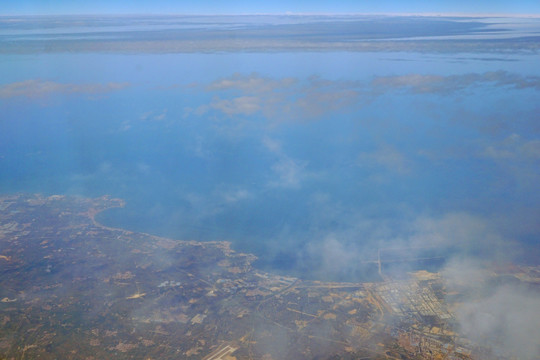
[11, 7]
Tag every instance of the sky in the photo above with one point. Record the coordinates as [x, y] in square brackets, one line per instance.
[46, 7]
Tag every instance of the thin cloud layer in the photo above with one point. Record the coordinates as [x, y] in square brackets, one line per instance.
[279, 99]
[500, 316]
[295, 99]
[288, 172]
[250, 83]
[243, 105]
[36, 88]
[437, 84]
[514, 147]
[508, 322]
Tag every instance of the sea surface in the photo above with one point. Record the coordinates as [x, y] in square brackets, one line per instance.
[313, 161]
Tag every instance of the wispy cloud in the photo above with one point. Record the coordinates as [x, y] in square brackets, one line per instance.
[202, 206]
[252, 83]
[244, 105]
[514, 147]
[499, 316]
[463, 232]
[154, 115]
[279, 99]
[40, 88]
[462, 235]
[295, 99]
[234, 196]
[289, 172]
[386, 157]
[507, 321]
[423, 84]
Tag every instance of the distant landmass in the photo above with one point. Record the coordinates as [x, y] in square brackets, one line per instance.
[265, 33]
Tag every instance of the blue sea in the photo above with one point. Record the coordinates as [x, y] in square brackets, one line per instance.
[313, 161]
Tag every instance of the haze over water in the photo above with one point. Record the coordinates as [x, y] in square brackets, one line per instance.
[311, 151]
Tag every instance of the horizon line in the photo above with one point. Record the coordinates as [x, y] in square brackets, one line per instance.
[288, 13]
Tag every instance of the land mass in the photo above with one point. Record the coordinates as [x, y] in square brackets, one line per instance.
[71, 288]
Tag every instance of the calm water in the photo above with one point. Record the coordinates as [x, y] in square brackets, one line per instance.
[312, 161]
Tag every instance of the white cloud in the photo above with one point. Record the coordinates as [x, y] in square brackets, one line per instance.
[502, 317]
[243, 105]
[272, 145]
[464, 274]
[290, 172]
[293, 99]
[280, 99]
[456, 229]
[507, 321]
[252, 83]
[336, 256]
